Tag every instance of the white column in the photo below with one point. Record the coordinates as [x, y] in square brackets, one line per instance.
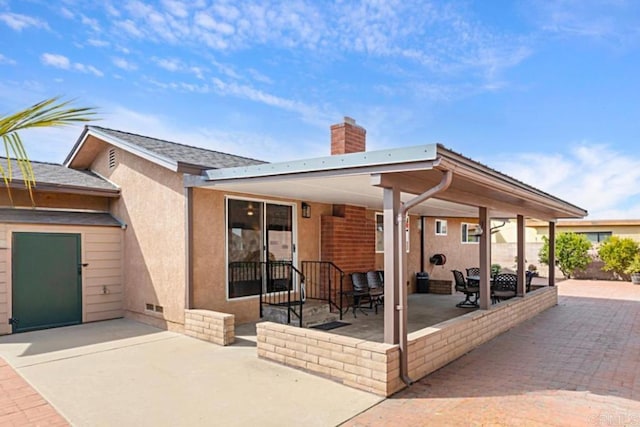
[485, 259]
[552, 253]
[392, 267]
[521, 265]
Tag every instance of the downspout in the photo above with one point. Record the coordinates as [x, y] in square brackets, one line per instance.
[402, 292]
[421, 242]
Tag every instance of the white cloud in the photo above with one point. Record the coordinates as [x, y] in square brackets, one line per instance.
[97, 43]
[90, 22]
[55, 60]
[67, 13]
[169, 64]
[19, 22]
[124, 64]
[88, 69]
[176, 8]
[596, 177]
[62, 62]
[309, 113]
[6, 60]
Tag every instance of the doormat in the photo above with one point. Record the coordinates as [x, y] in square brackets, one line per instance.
[330, 325]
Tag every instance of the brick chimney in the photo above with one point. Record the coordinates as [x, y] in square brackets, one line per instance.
[347, 137]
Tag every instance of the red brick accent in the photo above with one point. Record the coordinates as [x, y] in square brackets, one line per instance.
[347, 137]
[348, 239]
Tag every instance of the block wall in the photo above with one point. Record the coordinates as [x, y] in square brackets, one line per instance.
[374, 367]
[212, 326]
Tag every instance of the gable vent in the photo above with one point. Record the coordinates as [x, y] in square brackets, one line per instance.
[112, 158]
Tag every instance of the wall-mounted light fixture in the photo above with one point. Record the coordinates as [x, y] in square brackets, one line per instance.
[306, 210]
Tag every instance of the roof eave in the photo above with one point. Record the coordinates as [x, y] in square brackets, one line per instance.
[163, 161]
[68, 189]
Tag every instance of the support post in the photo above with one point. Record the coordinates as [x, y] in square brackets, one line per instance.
[552, 253]
[485, 259]
[520, 291]
[391, 204]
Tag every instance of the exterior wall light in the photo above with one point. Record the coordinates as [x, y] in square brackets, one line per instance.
[306, 210]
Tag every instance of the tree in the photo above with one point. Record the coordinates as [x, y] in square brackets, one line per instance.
[617, 254]
[48, 113]
[572, 252]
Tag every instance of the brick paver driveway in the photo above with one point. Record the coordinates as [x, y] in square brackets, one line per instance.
[576, 364]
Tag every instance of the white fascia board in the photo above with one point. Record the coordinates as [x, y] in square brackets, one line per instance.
[345, 163]
[132, 148]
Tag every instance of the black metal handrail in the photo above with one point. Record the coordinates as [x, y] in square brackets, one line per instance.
[324, 281]
[284, 286]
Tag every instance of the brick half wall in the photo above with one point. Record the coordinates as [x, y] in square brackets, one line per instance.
[212, 326]
[374, 367]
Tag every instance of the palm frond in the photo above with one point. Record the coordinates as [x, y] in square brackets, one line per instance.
[48, 113]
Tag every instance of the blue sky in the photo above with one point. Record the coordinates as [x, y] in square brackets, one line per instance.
[545, 91]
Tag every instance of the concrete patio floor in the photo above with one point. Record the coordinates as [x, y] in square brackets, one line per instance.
[124, 373]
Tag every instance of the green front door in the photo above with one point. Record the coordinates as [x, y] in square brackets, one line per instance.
[47, 285]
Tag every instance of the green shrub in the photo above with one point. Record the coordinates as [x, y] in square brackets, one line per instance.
[617, 254]
[572, 252]
[634, 265]
[495, 269]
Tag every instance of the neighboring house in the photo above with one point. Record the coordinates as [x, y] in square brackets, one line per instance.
[596, 231]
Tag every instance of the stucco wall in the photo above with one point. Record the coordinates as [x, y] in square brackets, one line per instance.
[152, 204]
[209, 246]
[102, 278]
[459, 255]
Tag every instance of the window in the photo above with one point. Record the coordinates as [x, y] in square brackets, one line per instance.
[441, 227]
[596, 236]
[470, 233]
[257, 231]
[380, 232]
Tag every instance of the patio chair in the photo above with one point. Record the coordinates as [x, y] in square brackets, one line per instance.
[473, 271]
[504, 286]
[472, 290]
[376, 288]
[359, 293]
[528, 279]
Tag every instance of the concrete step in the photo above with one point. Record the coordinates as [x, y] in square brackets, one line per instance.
[313, 313]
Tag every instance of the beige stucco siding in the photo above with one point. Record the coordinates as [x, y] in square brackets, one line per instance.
[459, 255]
[209, 251]
[152, 204]
[101, 249]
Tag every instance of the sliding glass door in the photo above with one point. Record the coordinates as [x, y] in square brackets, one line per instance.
[257, 232]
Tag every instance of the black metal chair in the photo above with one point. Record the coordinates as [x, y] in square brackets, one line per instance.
[528, 279]
[376, 288]
[469, 290]
[359, 293]
[504, 286]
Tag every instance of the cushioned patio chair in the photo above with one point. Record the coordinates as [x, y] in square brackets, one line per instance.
[504, 286]
[376, 288]
[470, 290]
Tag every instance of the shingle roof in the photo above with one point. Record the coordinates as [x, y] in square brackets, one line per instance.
[32, 216]
[196, 156]
[59, 175]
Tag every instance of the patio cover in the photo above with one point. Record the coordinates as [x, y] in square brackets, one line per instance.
[358, 179]
[429, 180]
